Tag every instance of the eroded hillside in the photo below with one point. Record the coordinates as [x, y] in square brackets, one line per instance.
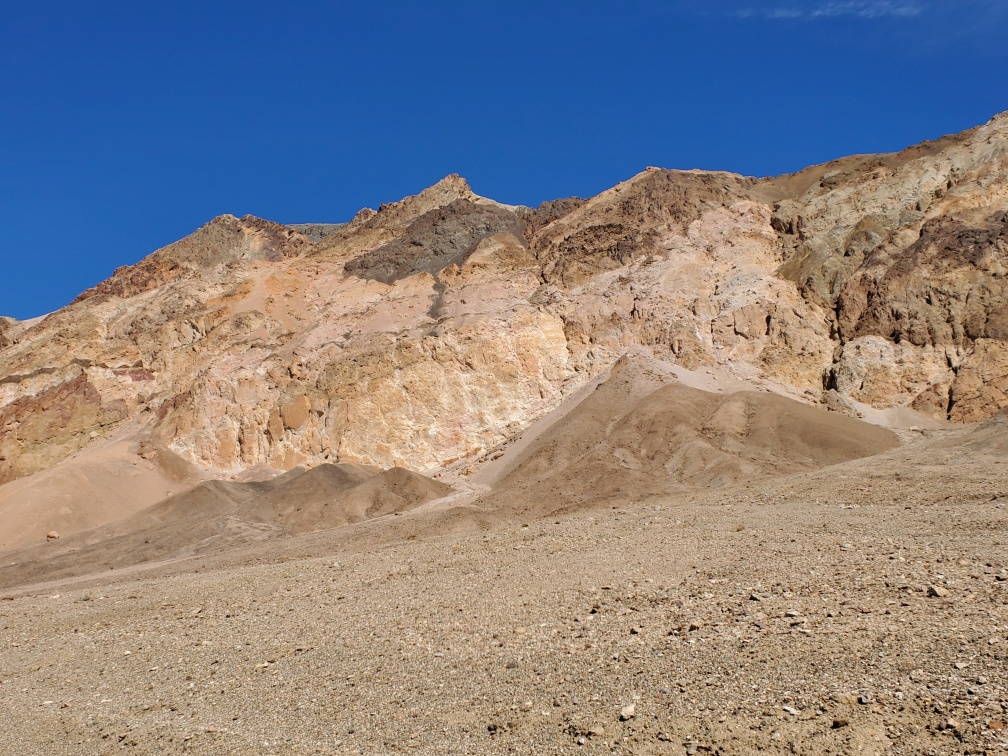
[436, 327]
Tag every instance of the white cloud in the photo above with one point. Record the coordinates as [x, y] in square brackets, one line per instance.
[866, 9]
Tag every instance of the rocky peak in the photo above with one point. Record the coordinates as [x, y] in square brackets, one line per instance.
[397, 214]
[451, 186]
[443, 236]
[370, 229]
[225, 239]
[228, 239]
[999, 120]
[630, 221]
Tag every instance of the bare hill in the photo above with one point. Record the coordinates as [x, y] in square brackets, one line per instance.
[856, 608]
[220, 516]
[100, 485]
[656, 520]
[638, 436]
[330, 496]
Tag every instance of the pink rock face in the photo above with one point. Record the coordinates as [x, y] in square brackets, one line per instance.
[39, 429]
[440, 325]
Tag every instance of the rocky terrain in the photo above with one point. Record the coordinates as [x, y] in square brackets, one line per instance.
[858, 608]
[703, 464]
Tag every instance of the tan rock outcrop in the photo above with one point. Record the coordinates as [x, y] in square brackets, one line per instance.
[980, 388]
[8, 328]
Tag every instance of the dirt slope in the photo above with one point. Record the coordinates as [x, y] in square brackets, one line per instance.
[641, 433]
[859, 608]
[98, 486]
[221, 516]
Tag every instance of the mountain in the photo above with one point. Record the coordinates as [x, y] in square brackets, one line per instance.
[706, 463]
[437, 327]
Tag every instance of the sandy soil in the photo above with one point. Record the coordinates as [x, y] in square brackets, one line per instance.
[102, 483]
[859, 607]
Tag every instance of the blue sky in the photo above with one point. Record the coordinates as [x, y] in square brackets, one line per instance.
[125, 126]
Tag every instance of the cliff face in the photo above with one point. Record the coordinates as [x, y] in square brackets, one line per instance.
[910, 252]
[433, 328]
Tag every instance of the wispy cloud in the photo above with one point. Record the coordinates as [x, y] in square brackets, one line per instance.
[865, 9]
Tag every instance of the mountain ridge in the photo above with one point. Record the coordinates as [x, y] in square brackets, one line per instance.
[436, 327]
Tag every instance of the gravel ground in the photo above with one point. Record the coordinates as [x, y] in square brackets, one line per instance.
[858, 609]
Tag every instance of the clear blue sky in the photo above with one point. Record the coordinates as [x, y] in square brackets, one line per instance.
[124, 125]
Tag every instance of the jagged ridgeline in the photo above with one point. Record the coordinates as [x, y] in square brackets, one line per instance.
[436, 327]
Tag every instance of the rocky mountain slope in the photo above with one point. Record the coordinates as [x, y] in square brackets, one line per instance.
[651, 522]
[437, 327]
[641, 432]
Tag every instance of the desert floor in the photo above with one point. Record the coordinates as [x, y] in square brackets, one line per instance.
[859, 608]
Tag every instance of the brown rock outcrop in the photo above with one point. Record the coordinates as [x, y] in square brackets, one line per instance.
[980, 388]
[8, 328]
[36, 431]
[910, 249]
[225, 239]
